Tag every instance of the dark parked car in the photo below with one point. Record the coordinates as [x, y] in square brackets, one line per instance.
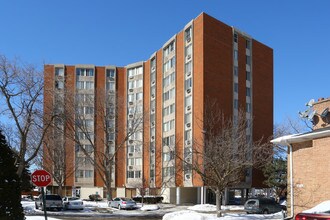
[52, 202]
[95, 197]
[262, 206]
[122, 203]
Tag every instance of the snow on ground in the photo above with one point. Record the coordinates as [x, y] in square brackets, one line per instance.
[207, 212]
[322, 207]
[149, 207]
[170, 212]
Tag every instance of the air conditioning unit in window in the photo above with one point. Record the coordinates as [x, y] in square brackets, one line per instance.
[189, 73]
[131, 103]
[187, 176]
[130, 154]
[189, 56]
[188, 107]
[188, 39]
[131, 141]
[130, 167]
[153, 82]
[111, 142]
[152, 95]
[130, 90]
[153, 110]
[152, 179]
[188, 91]
[153, 68]
[111, 130]
[188, 142]
[152, 137]
[188, 159]
[153, 123]
[188, 125]
[130, 115]
[131, 77]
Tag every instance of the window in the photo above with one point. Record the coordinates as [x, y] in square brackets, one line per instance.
[88, 148]
[188, 100]
[236, 54]
[130, 174]
[188, 83]
[168, 49]
[168, 171]
[248, 60]
[188, 135]
[130, 161]
[110, 73]
[248, 76]
[84, 72]
[188, 50]
[139, 96]
[110, 85]
[248, 44]
[236, 87]
[80, 85]
[188, 67]
[89, 173]
[138, 161]
[89, 85]
[167, 126]
[89, 110]
[131, 97]
[169, 94]
[169, 79]
[79, 174]
[188, 118]
[59, 84]
[235, 103]
[138, 174]
[235, 71]
[248, 107]
[59, 71]
[248, 92]
[138, 83]
[188, 34]
[169, 110]
[168, 141]
[168, 156]
[235, 38]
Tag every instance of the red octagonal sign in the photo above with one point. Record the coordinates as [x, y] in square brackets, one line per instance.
[41, 178]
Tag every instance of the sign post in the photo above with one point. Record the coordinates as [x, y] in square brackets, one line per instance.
[42, 179]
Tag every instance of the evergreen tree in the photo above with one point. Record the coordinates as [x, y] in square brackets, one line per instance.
[10, 185]
[276, 174]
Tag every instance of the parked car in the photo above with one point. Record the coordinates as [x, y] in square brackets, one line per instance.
[52, 202]
[312, 216]
[262, 206]
[122, 203]
[73, 203]
[95, 197]
[318, 212]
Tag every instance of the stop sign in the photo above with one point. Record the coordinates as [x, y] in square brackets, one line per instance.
[41, 178]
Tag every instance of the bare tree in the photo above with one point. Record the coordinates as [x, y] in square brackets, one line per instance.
[21, 93]
[227, 153]
[112, 137]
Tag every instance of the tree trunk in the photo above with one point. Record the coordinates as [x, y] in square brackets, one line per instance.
[218, 202]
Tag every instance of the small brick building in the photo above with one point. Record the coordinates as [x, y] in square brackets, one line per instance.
[308, 160]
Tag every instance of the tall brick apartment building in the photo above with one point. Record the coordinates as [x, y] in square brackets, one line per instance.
[207, 59]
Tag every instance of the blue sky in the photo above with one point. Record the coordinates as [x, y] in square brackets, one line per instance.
[108, 32]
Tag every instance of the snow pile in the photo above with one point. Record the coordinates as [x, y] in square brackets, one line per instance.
[322, 207]
[203, 208]
[149, 207]
[187, 214]
[39, 218]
